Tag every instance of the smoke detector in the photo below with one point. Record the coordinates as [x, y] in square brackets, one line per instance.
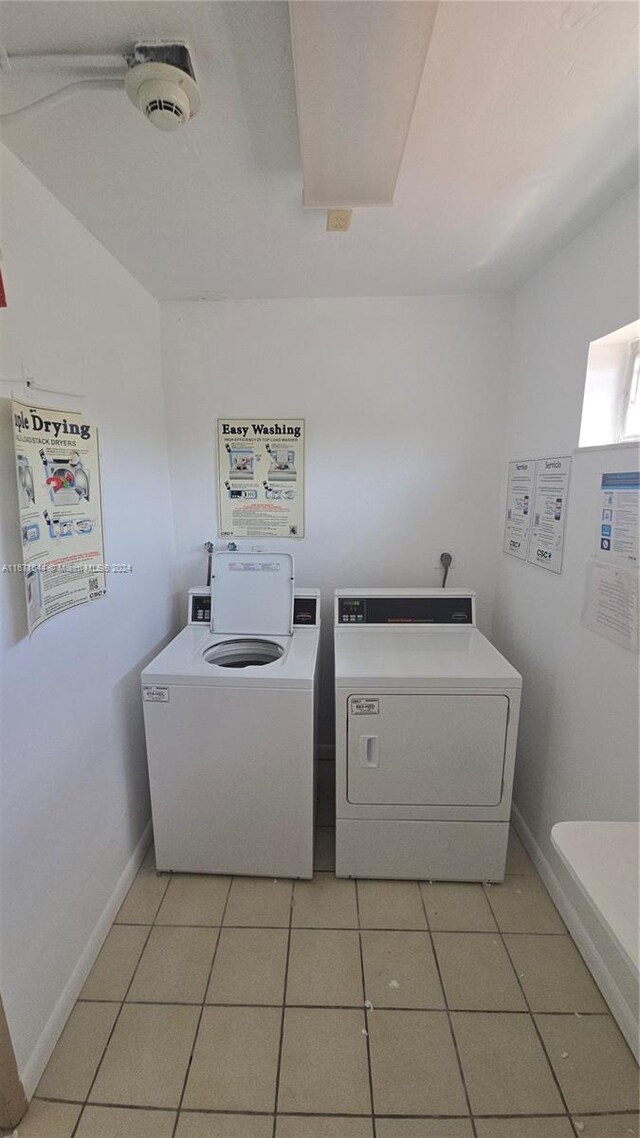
[161, 83]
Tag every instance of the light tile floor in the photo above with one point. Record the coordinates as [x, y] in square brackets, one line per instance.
[237, 1008]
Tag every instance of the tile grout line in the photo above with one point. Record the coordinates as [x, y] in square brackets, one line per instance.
[632, 1114]
[122, 1003]
[333, 928]
[342, 1007]
[501, 934]
[284, 1007]
[448, 1010]
[366, 1011]
[202, 1007]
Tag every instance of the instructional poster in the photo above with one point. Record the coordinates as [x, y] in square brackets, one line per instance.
[59, 495]
[611, 604]
[261, 477]
[617, 540]
[546, 539]
[520, 488]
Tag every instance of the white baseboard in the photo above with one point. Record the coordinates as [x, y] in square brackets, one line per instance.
[41, 1053]
[618, 1005]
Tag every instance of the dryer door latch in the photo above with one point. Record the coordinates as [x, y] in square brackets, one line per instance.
[369, 750]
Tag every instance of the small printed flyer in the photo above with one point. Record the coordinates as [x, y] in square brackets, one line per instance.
[619, 504]
[520, 487]
[611, 604]
[60, 502]
[546, 539]
[261, 477]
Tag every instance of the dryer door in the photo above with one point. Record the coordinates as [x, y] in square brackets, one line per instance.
[431, 750]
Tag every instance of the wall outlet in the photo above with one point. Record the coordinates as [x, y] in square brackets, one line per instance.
[338, 220]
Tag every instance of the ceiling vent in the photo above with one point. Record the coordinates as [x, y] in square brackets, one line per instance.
[161, 83]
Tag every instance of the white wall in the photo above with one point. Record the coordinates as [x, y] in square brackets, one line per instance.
[578, 745]
[404, 402]
[74, 782]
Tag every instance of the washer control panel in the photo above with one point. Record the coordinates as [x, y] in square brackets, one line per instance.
[306, 607]
[305, 611]
[199, 611]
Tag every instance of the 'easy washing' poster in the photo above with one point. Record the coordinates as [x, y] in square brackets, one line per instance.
[60, 503]
[261, 477]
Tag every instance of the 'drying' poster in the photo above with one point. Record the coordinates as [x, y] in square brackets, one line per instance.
[60, 503]
[261, 477]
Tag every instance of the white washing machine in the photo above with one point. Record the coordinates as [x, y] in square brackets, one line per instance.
[426, 726]
[229, 713]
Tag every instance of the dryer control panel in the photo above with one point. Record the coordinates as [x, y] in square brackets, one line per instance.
[405, 606]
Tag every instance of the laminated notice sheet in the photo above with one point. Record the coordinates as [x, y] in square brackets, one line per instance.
[611, 604]
[517, 523]
[618, 522]
[546, 539]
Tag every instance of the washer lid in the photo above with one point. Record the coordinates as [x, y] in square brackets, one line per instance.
[252, 593]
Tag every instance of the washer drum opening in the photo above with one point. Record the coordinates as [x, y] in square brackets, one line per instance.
[243, 653]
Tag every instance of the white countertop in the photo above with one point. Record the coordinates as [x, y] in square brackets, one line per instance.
[602, 858]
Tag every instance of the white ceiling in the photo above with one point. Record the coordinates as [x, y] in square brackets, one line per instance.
[525, 127]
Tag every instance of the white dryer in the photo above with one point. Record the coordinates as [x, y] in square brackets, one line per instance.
[426, 727]
[229, 713]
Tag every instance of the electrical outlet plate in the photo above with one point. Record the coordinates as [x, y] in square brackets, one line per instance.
[338, 220]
